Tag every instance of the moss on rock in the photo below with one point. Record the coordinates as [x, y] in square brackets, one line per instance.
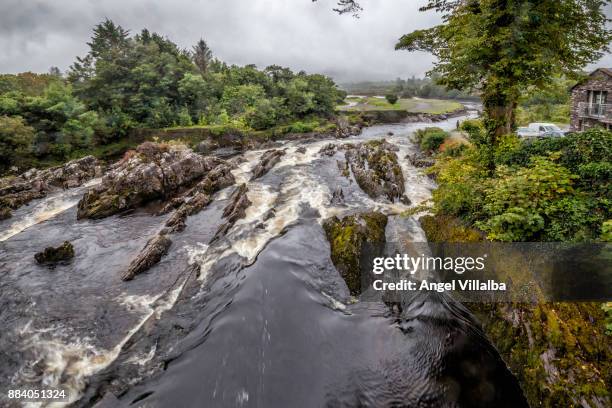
[349, 240]
[558, 351]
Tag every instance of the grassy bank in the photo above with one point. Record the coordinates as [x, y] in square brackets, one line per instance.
[416, 105]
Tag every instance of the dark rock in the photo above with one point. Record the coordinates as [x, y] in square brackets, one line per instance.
[376, 169]
[405, 200]
[337, 197]
[54, 255]
[236, 209]
[151, 254]
[152, 172]
[390, 133]
[354, 241]
[268, 160]
[301, 150]
[5, 213]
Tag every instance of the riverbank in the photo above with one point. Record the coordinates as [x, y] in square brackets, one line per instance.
[546, 190]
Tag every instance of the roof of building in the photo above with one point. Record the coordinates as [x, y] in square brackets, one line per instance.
[607, 71]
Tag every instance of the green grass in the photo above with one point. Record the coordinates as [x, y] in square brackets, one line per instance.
[411, 105]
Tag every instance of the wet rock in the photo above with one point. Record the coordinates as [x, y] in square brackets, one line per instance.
[5, 213]
[405, 200]
[235, 210]
[16, 191]
[390, 133]
[150, 255]
[151, 172]
[206, 146]
[337, 197]
[194, 205]
[268, 160]
[376, 169]
[420, 160]
[354, 240]
[218, 178]
[328, 150]
[301, 150]
[171, 205]
[52, 255]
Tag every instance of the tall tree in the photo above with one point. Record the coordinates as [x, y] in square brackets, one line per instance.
[202, 56]
[502, 47]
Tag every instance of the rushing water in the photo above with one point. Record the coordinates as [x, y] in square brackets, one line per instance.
[258, 318]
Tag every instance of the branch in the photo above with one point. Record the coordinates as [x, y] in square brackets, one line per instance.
[348, 6]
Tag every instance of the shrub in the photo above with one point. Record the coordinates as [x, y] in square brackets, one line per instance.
[430, 139]
[391, 98]
[302, 127]
[516, 200]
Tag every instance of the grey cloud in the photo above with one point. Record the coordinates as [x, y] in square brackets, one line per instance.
[37, 34]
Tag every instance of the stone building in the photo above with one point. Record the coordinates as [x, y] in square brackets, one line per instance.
[592, 101]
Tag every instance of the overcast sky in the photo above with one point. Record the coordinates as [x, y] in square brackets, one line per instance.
[37, 34]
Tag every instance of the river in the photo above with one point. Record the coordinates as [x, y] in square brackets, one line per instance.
[259, 318]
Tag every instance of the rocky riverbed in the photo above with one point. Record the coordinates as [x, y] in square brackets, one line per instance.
[202, 281]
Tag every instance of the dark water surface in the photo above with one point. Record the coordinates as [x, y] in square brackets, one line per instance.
[260, 318]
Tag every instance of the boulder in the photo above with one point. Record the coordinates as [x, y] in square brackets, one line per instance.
[376, 169]
[52, 255]
[151, 254]
[353, 241]
[153, 171]
[268, 160]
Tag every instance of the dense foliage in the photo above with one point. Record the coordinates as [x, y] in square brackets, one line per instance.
[145, 80]
[552, 189]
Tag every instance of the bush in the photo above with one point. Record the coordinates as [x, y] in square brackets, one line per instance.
[302, 127]
[430, 139]
[391, 98]
[516, 200]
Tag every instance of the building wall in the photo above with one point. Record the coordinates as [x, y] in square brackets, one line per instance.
[597, 82]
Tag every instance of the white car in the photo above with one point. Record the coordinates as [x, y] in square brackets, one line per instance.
[540, 130]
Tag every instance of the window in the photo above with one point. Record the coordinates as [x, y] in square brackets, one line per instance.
[597, 100]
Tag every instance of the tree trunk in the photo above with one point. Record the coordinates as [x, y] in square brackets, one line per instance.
[499, 116]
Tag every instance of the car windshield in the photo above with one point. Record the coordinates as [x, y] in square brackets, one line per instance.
[552, 128]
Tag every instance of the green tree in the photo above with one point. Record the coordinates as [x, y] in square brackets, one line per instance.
[202, 56]
[15, 140]
[502, 47]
